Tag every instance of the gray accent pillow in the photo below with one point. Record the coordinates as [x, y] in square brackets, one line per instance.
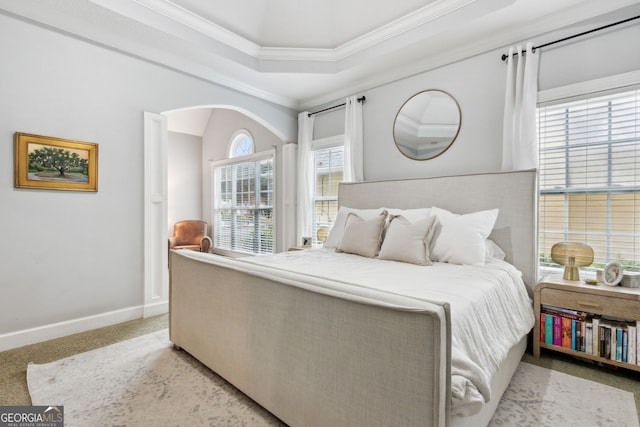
[362, 237]
[337, 231]
[407, 241]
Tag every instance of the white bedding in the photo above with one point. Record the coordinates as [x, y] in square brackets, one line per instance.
[490, 308]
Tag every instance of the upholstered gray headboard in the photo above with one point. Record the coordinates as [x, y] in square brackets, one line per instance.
[514, 193]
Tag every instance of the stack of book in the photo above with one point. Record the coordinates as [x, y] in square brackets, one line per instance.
[606, 337]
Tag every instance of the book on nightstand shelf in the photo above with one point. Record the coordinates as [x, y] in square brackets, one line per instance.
[632, 349]
[549, 328]
[602, 336]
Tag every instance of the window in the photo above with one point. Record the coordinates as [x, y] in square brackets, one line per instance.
[328, 166]
[241, 144]
[590, 176]
[243, 199]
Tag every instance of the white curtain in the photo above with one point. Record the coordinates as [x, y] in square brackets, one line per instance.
[353, 141]
[305, 176]
[519, 140]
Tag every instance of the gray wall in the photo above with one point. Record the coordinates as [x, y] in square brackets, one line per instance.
[478, 84]
[184, 178]
[71, 255]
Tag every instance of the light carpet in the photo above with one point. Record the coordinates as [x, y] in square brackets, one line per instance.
[144, 381]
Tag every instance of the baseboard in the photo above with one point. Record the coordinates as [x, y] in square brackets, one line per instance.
[61, 329]
[155, 309]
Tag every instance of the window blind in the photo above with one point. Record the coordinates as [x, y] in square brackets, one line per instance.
[243, 206]
[328, 172]
[589, 157]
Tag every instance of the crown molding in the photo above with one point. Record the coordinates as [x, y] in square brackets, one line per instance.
[494, 42]
[425, 15]
[416, 26]
[352, 80]
[297, 54]
[416, 19]
[185, 17]
[46, 17]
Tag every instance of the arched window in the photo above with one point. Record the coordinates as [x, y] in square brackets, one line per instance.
[241, 144]
[244, 198]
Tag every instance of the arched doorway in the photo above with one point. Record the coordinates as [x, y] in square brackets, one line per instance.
[156, 198]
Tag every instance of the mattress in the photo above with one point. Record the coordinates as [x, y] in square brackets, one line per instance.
[489, 306]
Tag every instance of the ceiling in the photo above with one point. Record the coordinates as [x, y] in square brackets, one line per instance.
[303, 53]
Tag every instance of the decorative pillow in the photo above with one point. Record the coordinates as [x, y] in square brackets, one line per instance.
[411, 215]
[408, 241]
[362, 237]
[335, 235]
[492, 250]
[460, 239]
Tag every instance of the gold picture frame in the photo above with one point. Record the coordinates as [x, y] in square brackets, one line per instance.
[47, 163]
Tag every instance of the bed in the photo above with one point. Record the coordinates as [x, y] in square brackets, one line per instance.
[322, 345]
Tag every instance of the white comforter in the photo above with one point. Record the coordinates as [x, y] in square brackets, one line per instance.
[490, 308]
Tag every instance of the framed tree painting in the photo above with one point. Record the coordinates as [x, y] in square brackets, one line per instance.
[43, 162]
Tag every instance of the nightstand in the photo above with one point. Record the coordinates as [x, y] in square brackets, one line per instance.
[596, 301]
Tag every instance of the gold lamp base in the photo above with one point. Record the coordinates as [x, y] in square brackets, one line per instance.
[571, 273]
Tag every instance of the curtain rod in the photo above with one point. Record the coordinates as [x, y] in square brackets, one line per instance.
[533, 49]
[362, 99]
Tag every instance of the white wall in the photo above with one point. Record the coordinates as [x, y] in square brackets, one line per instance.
[222, 125]
[184, 178]
[478, 85]
[77, 255]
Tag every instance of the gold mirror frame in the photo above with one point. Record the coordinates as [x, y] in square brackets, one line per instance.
[427, 124]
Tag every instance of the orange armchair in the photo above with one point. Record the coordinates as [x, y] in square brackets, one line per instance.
[190, 234]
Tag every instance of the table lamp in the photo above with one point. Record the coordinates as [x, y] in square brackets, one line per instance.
[572, 256]
[322, 234]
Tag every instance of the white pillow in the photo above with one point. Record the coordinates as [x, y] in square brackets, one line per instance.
[460, 239]
[362, 237]
[412, 215]
[408, 241]
[335, 235]
[492, 250]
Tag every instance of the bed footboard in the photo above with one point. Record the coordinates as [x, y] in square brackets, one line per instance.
[313, 359]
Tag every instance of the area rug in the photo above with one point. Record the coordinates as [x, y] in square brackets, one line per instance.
[144, 381]
[542, 397]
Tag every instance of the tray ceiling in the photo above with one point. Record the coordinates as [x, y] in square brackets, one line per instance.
[302, 53]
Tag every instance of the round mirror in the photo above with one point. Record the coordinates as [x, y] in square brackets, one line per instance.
[427, 124]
